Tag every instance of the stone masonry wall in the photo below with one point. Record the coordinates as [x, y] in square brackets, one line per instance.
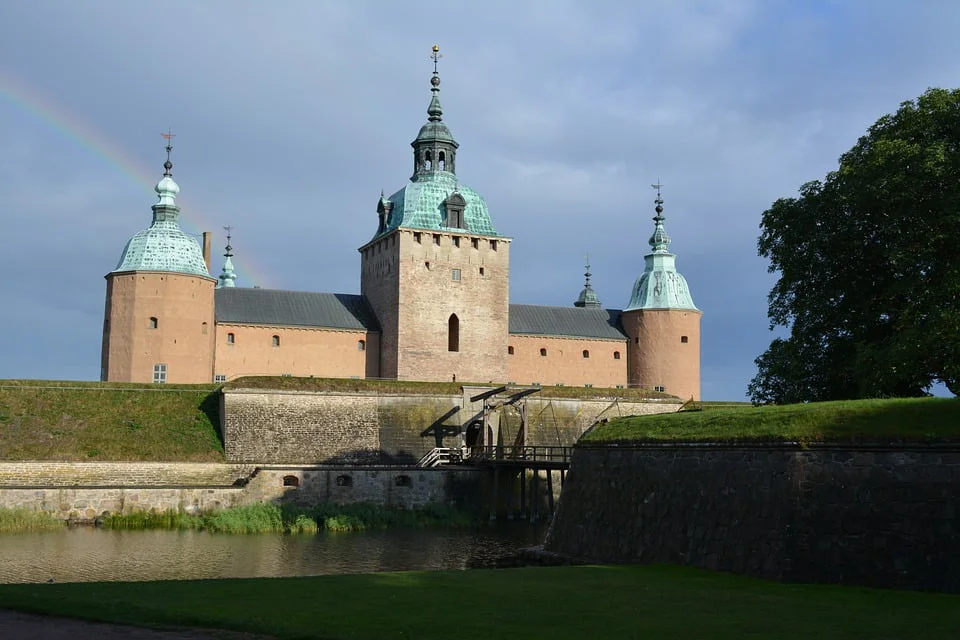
[885, 517]
[287, 427]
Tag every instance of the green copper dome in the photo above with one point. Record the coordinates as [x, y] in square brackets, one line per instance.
[660, 286]
[164, 246]
[588, 297]
[422, 205]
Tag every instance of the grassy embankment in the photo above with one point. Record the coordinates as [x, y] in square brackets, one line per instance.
[876, 421]
[94, 421]
[548, 602]
[356, 385]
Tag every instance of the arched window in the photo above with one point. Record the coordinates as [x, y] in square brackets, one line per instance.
[153, 323]
[586, 353]
[291, 481]
[616, 355]
[453, 333]
[543, 351]
[441, 161]
[344, 481]
[231, 339]
[361, 345]
[427, 160]
[510, 350]
[204, 328]
[276, 341]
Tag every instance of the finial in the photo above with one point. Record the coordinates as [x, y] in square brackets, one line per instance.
[588, 297]
[435, 56]
[229, 253]
[660, 241]
[587, 273]
[435, 111]
[168, 165]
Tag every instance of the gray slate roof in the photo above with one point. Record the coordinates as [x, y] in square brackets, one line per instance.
[294, 308]
[348, 311]
[574, 322]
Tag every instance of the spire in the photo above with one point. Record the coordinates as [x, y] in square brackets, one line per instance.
[434, 149]
[228, 276]
[660, 241]
[167, 189]
[588, 297]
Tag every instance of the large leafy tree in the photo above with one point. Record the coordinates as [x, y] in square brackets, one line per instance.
[869, 264]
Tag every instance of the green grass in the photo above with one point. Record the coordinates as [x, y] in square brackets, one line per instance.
[355, 385]
[95, 421]
[895, 420]
[20, 520]
[555, 603]
[271, 518]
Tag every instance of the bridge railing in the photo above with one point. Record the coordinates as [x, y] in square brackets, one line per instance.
[532, 453]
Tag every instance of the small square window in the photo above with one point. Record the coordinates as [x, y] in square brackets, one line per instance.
[456, 241]
[493, 245]
[455, 275]
[475, 243]
[481, 271]
[231, 338]
[159, 373]
[684, 339]
[153, 323]
[436, 239]
[276, 341]
[543, 352]
[220, 378]
[660, 389]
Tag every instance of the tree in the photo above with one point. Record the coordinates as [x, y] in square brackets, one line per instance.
[869, 264]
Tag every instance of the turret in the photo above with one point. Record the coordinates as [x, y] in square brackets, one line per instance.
[662, 322]
[588, 297]
[158, 318]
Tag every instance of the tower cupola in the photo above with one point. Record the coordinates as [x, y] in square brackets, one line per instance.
[434, 148]
[588, 297]
[164, 246]
[228, 276]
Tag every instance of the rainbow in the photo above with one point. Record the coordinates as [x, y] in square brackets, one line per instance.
[99, 146]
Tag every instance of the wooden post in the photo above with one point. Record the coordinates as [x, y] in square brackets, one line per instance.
[523, 493]
[550, 490]
[493, 498]
[535, 498]
[510, 489]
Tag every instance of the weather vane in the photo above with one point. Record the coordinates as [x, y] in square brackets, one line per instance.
[168, 136]
[657, 187]
[435, 56]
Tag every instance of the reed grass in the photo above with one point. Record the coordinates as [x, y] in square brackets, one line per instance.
[291, 519]
[22, 519]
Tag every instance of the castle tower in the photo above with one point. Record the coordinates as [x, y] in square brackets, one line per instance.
[158, 321]
[662, 322]
[436, 272]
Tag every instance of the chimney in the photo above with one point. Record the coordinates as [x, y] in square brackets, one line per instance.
[206, 249]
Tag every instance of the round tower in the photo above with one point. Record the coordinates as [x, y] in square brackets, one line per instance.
[159, 317]
[662, 323]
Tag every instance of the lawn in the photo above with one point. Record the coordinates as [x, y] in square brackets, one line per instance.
[94, 421]
[879, 421]
[544, 602]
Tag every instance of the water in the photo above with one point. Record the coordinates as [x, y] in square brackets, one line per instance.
[88, 554]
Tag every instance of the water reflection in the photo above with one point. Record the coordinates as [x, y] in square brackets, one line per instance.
[86, 554]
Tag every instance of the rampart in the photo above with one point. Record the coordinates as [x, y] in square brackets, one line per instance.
[885, 516]
[314, 427]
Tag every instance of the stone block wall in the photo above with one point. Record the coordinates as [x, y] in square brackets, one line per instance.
[287, 427]
[885, 517]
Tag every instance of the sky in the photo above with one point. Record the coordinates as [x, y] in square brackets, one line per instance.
[290, 117]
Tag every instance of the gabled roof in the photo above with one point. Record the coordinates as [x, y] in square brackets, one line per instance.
[573, 322]
[294, 308]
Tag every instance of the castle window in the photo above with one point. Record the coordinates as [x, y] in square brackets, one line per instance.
[153, 323]
[453, 333]
[475, 242]
[510, 350]
[441, 161]
[481, 271]
[456, 241]
[344, 481]
[436, 239]
[427, 160]
[220, 378]
[543, 351]
[660, 389]
[204, 328]
[231, 339]
[684, 339]
[291, 481]
[276, 341]
[455, 275]
[159, 373]
[586, 353]
[616, 355]
[403, 481]
[361, 345]
[493, 245]
[416, 237]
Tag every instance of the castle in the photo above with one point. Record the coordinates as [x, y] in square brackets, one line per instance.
[433, 304]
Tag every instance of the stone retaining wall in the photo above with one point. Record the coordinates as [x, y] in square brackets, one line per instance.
[284, 427]
[877, 516]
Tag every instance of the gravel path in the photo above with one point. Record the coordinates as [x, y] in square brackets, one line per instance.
[26, 626]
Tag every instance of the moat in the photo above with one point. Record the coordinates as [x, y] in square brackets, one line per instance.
[88, 554]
